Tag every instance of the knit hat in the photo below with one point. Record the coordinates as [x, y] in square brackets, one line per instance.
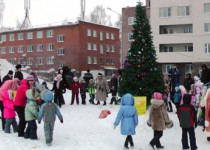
[157, 96]
[48, 96]
[18, 66]
[10, 72]
[30, 78]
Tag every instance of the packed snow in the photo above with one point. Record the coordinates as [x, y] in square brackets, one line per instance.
[83, 130]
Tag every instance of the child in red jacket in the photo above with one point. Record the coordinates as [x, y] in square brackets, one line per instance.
[74, 87]
[187, 118]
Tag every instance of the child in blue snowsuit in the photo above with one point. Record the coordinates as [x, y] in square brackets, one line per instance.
[128, 117]
[48, 111]
[177, 97]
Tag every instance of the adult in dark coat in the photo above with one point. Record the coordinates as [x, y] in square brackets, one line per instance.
[8, 76]
[205, 75]
[114, 87]
[58, 89]
[87, 77]
[188, 81]
[18, 73]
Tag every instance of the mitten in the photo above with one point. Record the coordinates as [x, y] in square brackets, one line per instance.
[37, 101]
[169, 124]
[149, 123]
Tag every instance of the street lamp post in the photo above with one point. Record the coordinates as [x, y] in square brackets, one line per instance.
[121, 35]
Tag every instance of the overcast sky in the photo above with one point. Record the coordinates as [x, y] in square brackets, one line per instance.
[44, 12]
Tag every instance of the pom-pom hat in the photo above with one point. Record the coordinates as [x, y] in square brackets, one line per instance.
[157, 96]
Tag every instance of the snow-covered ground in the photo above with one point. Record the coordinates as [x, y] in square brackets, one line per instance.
[83, 130]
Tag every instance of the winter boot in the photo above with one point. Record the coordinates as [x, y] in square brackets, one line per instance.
[112, 100]
[170, 107]
[104, 103]
[98, 103]
[126, 143]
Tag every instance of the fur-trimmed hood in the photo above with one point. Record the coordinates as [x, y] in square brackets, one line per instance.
[156, 103]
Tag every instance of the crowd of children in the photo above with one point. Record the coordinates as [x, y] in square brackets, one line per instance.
[23, 98]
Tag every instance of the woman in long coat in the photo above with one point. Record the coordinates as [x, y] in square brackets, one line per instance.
[102, 89]
[59, 89]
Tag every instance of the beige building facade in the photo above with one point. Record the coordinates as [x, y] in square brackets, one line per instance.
[181, 31]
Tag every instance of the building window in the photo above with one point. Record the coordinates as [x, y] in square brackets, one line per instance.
[12, 61]
[60, 64]
[88, 32]
[20, 49]
[107, 35]
[131, 20]
[39, 61]
[130, 36]
[20, 36]
[3, 50]
[165, 68]
[166, 30]
[206, 7]
[207, 48]
[39, 34]
[112, 48]
[89, 60]
[188, 68]
[40, 47]
[112, 61]
[60, 51]
[188, 48]
[30, 48]
[11, 49]
[20, 61]
[101, 48]
[89, 46]
[112, 36]
[11, 37]
[29, 61]
[94, 60]
[107, 48]
[166, 49]
[94, 47]
[3, 38]
[207, 27]
[188, 29]
[50, 60]
[60, 38]
[94, 33]
[101, 36]
[49, 47]
[165, 12]
[101, 61]
[107, 60]
[49, 33]
[30, 35]
[183, 11]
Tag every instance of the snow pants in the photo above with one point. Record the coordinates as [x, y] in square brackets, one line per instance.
[31, 130]
[9, 122]
[191, 132]
[48, 131]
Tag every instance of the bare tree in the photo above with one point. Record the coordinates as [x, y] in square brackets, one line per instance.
[99, 16]
[2, 5]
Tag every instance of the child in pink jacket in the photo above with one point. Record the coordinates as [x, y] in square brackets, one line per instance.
[9, 111]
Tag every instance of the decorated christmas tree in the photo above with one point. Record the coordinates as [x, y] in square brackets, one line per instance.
[140, 74]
